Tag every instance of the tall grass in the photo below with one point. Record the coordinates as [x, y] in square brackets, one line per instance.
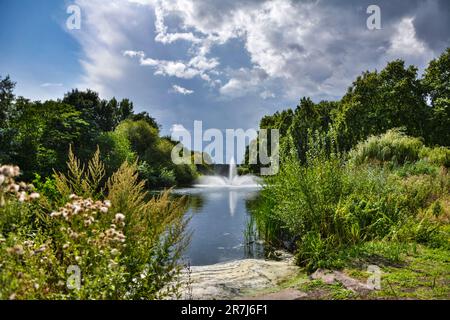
[125, 245]
[327, 204]
[393, 146]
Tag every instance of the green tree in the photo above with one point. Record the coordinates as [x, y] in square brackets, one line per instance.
[7, 112]
[437, 84]
[125, 110]
[44, 133]
[380, 101]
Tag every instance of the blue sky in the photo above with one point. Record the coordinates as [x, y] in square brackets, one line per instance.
[226, 63]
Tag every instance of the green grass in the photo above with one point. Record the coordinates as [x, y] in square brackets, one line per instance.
[409, 271]
[329, 209]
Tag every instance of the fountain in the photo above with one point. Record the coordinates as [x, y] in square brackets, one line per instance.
[233, 180]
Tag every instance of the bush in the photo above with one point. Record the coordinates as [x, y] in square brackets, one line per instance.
[326, 206]
[439, 156]
[420, 167]
[393, 147]
[125, 245]
[156, 177]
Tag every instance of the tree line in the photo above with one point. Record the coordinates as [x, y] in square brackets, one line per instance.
[395, 97]
[37, 135]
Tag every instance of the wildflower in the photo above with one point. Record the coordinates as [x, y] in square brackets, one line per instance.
[119, 217]
[2, 178]
[114, 252]
[76, 208]
[73, 234]
[34, 195]
[107, 203]
[28, 243]
[73, 196]
[17, 249]
[103, 209]
[22, 196]
[41, 249]
[55, 214]
[14, 188]
[66, 246]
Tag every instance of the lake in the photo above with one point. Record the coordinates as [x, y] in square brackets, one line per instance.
[221, 229]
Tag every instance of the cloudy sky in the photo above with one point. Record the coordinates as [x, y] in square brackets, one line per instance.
[224, 62]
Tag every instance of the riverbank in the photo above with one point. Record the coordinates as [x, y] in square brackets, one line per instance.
[418, 273]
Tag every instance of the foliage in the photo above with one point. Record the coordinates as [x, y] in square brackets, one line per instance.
[439, 156]
[375, 103]
[126, 246]
[36, 135]
[326, 205]
[393, 146]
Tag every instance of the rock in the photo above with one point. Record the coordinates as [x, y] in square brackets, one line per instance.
[234, 279]
[330, 277]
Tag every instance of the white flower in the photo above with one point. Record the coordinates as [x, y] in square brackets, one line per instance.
[22, 196]
[107, 203]
[119, 217]
[76, 208]
[34, 195]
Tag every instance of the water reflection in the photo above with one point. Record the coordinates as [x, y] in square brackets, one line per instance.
[220, 225]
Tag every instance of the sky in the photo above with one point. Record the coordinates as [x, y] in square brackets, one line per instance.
[226, 63]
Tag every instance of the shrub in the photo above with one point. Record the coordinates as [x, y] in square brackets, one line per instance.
[393, 146]
[326, 206]
[125, 244]
[439, 156]
[156, 177]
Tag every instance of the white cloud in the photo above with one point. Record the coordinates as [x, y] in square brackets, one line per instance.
[50, 84]
[243, 82]
[287, 49]
[181, 90]
[266, 94]
[161, 30]
[177, 128]
[405, 44]
[197, 66]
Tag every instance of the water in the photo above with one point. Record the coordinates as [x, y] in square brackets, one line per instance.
[219, 225]
[233, 180]
[221, 219]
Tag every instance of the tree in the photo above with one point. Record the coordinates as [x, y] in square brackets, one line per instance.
[6, 98]
[380, 101]
[106, 114]
[7, 112]
[125, 110]
[146, 117]
[141, 135]
[437, 85]
[44, 133]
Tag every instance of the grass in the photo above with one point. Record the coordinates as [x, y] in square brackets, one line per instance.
[409, 271]
[376, 202]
